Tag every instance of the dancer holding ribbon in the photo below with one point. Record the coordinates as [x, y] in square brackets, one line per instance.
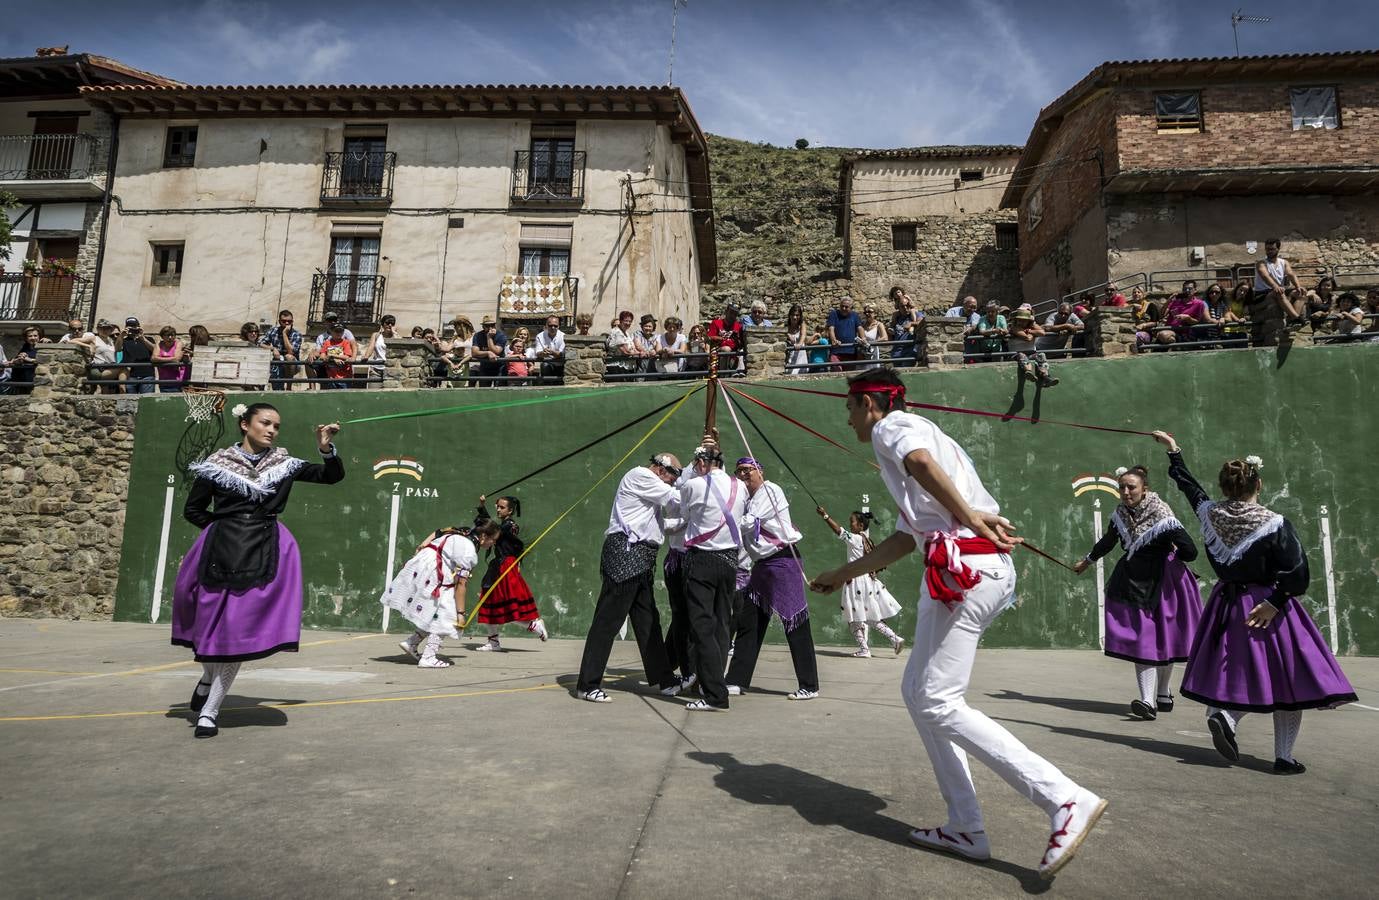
[776, 585]
[968, 581]
[238, 594]
[866, 602]
[1257, 649]
[429, 591]
[1152, 599]
[509, 597]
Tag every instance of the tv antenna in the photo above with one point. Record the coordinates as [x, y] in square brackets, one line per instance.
[1239, 16]
[674, 16]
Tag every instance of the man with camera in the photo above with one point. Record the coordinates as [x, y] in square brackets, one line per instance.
[137, 357]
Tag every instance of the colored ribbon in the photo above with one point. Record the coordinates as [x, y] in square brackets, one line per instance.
[968, 412]
[799, 424]
[481, 407]
[734, 408]
[569, 509]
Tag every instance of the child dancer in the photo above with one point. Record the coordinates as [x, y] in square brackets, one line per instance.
[1152, 600]
[511, 600]
[429, 590]
[1257, 649]
[866, 602]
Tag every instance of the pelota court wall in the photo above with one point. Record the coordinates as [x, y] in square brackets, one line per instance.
[1307, 414]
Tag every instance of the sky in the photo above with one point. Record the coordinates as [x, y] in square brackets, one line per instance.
[849, 73]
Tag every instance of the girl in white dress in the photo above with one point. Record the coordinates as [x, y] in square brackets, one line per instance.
[429, 591]
[866, 602]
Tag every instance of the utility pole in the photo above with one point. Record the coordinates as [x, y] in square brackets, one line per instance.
[1237, 17]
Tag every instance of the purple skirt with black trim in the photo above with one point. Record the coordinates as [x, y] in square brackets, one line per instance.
[222, 625]
[777, 585]
[1162, 634]
[1285, 665]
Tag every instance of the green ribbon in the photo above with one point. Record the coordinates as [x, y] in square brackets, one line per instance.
[481, 407]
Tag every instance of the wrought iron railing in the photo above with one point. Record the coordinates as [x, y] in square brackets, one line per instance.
[548, 177]
[50, 157]
[356, 299]
[362, 176]
[50, 298]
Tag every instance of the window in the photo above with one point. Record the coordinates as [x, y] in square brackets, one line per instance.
[180, 150]
[903, 237]
[364, 160]
[1034, 208]
[551, 163]
[544, 249]
[1007, 236]
[1314, 107]
[971, 175]
[1180, 111]
[167, 263]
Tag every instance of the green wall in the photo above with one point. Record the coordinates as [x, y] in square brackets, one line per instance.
[1307, 415]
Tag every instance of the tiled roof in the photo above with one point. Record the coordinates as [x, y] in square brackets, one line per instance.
[941, 151]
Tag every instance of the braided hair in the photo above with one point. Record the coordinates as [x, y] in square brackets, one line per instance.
[1239, 479]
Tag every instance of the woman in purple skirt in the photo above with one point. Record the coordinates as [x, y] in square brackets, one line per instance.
[238, 594]
[1257, 649]
[1152, 599]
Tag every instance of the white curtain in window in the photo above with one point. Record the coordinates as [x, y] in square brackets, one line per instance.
[1314, 107]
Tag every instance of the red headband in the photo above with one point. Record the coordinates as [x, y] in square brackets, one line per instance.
[895, 391]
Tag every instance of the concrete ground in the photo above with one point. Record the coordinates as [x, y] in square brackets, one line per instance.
[345, 771]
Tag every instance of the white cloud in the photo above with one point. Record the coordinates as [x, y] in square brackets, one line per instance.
[1153, 24]
[252, 37]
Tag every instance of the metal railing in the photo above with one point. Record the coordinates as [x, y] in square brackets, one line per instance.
[539, 373]
[1212, 336]
[691, 366]
[355, 298]
[904, 352]
[359, 177]
[50, 157]
[548, 177]
[49, 298]
[1124, 285]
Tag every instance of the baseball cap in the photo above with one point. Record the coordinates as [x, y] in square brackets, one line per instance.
[132, 322]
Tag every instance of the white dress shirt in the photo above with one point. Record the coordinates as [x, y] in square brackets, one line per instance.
[703, 501]
[640, 505]
[900, 434]
[766, 525]
[545, 342]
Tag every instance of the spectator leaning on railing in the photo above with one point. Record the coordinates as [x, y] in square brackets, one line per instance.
[1184, 311]
[137, 353]
[991, 329]
[757, 317]
[1350, 315]
[18, 373]
[1030, 360]
[964, 310]
[489, 348]
[620, 350]
[318, 367]
[286, 343]
[197, 336]
[796, 336]
[904, 326]
[101, 348]
[583, 322]
[725, 332]
[1274, 278]
[548, 349]
[645, 343]
[870, 334]
[842, 329]
[337, 357]
[670, 346]
[697, 343]
[1059, 326]
[76, 328]
[169, 354]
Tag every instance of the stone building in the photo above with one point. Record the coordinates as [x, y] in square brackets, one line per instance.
[425, 202]
[1170, 168]
[929, 219]
[54, 156]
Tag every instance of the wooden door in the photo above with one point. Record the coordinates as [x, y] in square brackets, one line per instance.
[51, 297]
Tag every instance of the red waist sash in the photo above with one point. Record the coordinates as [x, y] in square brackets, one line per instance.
[943, 553]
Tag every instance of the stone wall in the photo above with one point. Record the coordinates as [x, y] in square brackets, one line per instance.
[954, 256]
[62, 486]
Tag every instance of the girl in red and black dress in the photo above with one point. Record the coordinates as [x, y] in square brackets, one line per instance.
[511, 600]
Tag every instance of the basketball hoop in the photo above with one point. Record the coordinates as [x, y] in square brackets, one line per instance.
[203, 404]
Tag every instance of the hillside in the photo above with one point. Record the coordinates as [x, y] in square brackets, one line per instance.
[776, 211]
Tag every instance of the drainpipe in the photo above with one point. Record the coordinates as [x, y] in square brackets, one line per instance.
[105, 214]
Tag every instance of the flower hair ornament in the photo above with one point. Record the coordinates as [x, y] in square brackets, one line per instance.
[1121, 470]
[238, 410]
[1254, 462]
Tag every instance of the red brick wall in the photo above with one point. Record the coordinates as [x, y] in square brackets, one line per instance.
[1072, 186]
[1249, 125]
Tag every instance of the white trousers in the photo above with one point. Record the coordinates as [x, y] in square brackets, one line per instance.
[935, 680]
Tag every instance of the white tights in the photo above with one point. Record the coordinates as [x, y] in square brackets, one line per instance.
[859, 631]
[1287, 724]
[1154, 680]
[220, 676]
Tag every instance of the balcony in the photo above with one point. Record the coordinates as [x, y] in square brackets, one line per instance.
[52, 166]
[356, 298]
[41, 298]
[553, 179]
[358, 178]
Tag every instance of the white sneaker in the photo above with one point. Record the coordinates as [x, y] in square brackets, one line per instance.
[862, 653]
[410, 649]
[1071, 823]
[703, 706]
[594, 696]
[674, 689]
[432, 662]
[538, 628]
[898, 645]
[971, 844]
[489, 645]
[734, 691]
[802, 694]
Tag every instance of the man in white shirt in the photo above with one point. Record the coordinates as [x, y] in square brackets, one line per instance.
[548, 348]
[776, 585]
[968, 581]
[636, 527]
[75, 329]
[712, 505]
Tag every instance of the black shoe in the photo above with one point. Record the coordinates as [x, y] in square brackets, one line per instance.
[1289, 767]
[1141, 710]
[1164, 704]
[199, 700]
[206, 731]
[1048, 381]
[1223, 737]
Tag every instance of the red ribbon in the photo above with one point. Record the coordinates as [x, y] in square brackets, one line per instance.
[937, 561]
[970, 412]
[795, 422]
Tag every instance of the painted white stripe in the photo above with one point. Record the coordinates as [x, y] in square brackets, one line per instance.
[1100, 577]
[392, 554]
[162, 563]
[1330, 581]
